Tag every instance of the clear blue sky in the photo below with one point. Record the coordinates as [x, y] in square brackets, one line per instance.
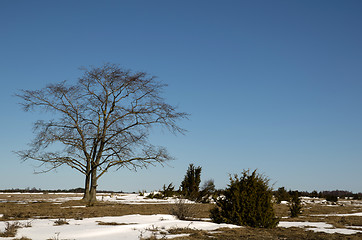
[272, 85]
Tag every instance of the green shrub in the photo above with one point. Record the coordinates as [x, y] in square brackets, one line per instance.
[295, 206]
[247, 201]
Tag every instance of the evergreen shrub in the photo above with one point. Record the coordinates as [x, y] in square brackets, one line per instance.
[295, 206]
[190, 185]
[247, 201]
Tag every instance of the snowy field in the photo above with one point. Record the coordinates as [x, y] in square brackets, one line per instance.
[134, 226]
[129, 227]
[129, 198]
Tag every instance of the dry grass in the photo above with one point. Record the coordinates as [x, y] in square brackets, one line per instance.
[61, 221]
[261, 233]
[311, 210]
[185, 211]
[13, 211]
[254, 234]
[113, 223]
[10, 229]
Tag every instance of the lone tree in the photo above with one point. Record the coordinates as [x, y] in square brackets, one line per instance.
[102, 121]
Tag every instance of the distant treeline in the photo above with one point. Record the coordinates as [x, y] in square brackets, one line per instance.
[335, 193]
[320, 194]
[283, 195]
[38, 190]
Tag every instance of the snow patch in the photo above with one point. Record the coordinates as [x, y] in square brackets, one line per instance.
[131, 227]
[359, 214]
[318, 227]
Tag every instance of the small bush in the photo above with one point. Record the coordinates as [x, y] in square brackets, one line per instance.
[22, 238]
[183, 210]
[247, 201]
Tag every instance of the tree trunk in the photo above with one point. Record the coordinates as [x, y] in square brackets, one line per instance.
[93, 188]
[86, 194]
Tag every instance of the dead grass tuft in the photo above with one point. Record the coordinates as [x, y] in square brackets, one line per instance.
[61, 221]
[10, 229]
[113, 223]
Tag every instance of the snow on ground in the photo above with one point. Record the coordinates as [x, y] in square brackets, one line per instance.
[130, 227]
[358, 214]
[125, 198]
[318, 227]
[135, 226]
[133, 198]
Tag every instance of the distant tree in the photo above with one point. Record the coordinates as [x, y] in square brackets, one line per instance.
[207, 191]
[247, 201]
[295, 206]
[282, 195]
[190, 184]
[102, 121]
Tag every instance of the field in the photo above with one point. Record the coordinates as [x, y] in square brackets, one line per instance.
[130, 216]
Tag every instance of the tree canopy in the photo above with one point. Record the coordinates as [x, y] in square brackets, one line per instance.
[102, 122]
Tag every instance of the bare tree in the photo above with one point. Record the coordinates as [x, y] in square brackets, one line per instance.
[102, 122]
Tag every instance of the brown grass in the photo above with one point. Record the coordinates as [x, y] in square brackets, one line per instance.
[61, 221]
[10, 229]
[15, 211]
[113, 223]
[260, 233]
